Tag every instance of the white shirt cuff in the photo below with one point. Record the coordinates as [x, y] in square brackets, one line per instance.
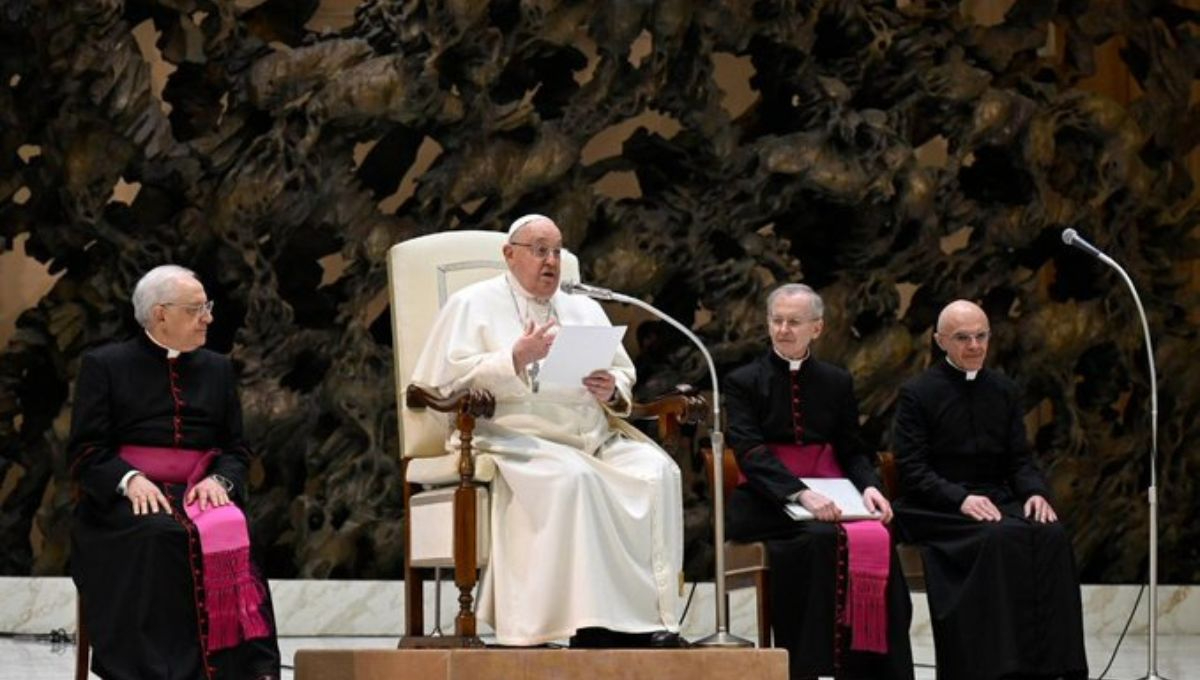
[125, 481]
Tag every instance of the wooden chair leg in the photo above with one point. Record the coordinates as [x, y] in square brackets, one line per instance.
[82, 643]
[465, 569]
[763, 595]
[414, 602]
[414, 585]
[465, 578]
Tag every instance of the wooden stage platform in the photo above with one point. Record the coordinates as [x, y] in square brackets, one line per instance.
[541, 664]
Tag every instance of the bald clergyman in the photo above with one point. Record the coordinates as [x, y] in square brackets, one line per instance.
[1002, 586]
[587, 515]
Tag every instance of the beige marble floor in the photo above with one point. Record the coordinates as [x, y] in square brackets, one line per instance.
[1179, 656]
[356, 614]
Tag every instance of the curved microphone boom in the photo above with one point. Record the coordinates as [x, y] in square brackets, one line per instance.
[578, 288]
[1072, 238]
[722, 637]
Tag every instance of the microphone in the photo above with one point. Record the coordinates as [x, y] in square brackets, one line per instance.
[721, 638]
[578, 288]
[1072, 238]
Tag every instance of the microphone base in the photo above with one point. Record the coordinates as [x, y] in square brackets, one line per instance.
[1152, 676]
[723, 639]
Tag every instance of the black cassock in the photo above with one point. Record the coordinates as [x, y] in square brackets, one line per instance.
[767, 403]
[139, 576]
[1003, 596]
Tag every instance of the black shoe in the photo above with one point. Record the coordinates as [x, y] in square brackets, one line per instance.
[591, 638]
[665, 639]
[603, 638]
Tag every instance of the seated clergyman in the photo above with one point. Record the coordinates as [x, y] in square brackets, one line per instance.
[587, 518]
[160, 550]
[792, 415]
[999, 569]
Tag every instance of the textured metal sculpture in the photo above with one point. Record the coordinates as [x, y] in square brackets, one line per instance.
[896, 155]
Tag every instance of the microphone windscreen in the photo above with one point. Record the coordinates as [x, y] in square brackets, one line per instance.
[1068, 236]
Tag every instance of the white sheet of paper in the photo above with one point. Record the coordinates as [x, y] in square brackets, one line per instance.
[579, 350]
[837, 489]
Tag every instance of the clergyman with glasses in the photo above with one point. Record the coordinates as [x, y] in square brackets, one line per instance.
[160, 549]
[1002, 586]
[839, 603]
[590, 511]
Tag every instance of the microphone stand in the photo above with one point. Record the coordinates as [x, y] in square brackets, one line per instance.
[1152, 658]
[722, 637]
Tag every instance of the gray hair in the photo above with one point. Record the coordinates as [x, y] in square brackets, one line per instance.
[154, 288]
[815, 303]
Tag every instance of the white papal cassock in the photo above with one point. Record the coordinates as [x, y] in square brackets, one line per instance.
[587, 516]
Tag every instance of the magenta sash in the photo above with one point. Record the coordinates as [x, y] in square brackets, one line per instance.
[868, 544]
[233, 596]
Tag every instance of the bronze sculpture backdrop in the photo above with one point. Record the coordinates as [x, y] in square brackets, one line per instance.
[895, 155]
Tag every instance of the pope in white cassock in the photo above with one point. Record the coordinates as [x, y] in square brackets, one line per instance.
[587, 516]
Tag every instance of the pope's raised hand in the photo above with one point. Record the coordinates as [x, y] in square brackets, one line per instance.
[534, 344]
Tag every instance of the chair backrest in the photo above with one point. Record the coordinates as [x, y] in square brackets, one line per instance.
[889, 474]
[729, 471]
[422, 274]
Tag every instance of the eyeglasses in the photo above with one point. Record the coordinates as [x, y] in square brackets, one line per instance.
[539, 250]
[790, 323]
[193, 308]
[965, 338]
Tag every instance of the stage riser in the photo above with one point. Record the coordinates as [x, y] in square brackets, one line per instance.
[541, 664]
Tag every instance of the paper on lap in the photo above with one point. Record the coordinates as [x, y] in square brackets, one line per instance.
[837, 489]
[579, 350]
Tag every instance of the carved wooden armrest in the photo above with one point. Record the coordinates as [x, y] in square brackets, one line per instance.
[467, 405]
[684, 406]
[475, 403]
[671, 411]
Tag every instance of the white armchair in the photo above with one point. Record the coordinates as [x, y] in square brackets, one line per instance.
[446, 491]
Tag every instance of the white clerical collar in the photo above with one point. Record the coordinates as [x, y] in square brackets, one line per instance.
[794, 364]
[970, 374]
[520, 290]
[171, 353]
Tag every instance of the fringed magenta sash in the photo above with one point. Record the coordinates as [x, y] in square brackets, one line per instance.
[868, 544]
[232, 594]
